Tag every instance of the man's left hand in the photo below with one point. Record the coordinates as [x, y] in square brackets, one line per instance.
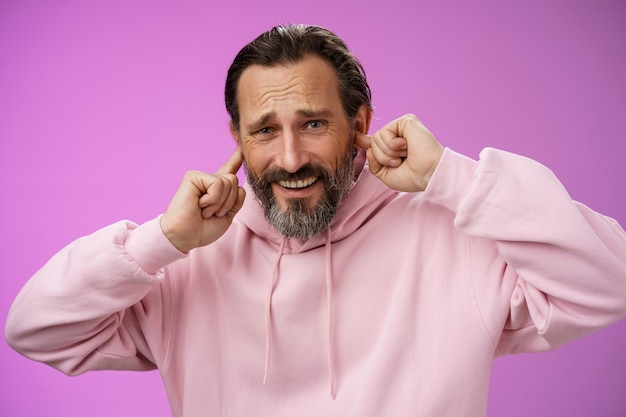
[403, 154]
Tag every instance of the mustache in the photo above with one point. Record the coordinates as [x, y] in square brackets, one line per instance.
[277, 174]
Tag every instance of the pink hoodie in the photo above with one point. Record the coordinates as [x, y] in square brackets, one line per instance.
[398, 310]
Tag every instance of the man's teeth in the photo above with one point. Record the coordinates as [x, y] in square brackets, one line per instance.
[298, 184]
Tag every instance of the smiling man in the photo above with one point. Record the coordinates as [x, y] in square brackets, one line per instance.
[297, 142]
[326, 286]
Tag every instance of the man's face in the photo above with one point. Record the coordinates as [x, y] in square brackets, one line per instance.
[297, 143]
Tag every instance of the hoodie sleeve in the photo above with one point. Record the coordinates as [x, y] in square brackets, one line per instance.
[567, 263]
[95, 304]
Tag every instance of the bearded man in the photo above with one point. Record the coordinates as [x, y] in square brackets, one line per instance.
[326, 286]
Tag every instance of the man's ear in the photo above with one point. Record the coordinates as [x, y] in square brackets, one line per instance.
[362, 119]
[234, 132]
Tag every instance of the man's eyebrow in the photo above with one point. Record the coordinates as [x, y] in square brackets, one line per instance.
[260, 122]
[315, 113]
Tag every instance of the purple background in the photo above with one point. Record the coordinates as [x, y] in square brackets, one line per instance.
[104, 106]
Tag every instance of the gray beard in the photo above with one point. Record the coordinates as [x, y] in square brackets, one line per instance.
[298, 220]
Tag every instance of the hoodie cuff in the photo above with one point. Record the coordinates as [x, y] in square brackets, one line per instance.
[451, 180]
[150, 248]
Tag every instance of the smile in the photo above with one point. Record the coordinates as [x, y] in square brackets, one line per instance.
[298, 184]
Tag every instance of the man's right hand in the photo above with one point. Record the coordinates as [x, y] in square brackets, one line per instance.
[204, 206]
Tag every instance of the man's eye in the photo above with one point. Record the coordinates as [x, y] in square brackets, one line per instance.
[316, 124]
[264, 134]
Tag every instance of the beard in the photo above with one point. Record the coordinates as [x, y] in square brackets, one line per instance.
[299, 220]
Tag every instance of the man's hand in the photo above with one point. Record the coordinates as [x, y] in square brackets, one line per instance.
[403, 154]
[204, 206]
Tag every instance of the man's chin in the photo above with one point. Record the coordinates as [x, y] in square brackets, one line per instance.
[288, 204]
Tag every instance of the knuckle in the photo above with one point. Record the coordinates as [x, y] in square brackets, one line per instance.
[191, 173]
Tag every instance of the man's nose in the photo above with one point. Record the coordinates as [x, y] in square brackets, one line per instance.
[293, 153]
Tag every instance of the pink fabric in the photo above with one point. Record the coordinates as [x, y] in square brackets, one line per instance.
[425, 290]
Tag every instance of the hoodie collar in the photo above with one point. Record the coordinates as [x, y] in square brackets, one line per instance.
[367, 197]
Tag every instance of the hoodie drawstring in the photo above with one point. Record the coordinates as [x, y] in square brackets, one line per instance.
[268, 311]
[330, 309]
[331, 318]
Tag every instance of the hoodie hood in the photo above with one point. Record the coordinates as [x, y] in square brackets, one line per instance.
[367, 196]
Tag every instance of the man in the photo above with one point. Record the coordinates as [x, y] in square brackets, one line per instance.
[323, 287]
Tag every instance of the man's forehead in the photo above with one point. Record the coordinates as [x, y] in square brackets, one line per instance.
[310, 74]
[307, 88]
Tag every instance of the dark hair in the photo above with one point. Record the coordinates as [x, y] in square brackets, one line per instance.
[289, 44]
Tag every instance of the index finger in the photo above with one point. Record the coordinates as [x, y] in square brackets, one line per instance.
[233, 164]
[362, 140]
